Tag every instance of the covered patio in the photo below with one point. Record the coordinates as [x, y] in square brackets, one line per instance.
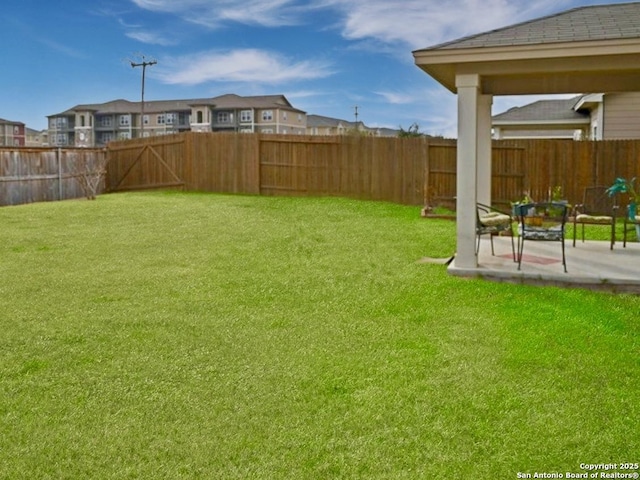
[591, 265]
[583, 50]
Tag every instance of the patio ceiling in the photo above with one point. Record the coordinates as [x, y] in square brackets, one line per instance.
[584, 67]
[584, 50]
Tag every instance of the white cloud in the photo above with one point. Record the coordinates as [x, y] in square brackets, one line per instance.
[242, 65]
[422, 23]
[150, 38]
[413, 23]
[214, 13]
[396, 98]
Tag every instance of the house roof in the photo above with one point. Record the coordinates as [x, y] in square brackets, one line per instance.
[584, 49]
[554, 111]
[321, 121]
[600, 22]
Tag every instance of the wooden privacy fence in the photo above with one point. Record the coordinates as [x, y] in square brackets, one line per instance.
[44, 174]
[411, 171]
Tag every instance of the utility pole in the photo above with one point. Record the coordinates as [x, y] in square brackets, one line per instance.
[356, 110]
[144, 64]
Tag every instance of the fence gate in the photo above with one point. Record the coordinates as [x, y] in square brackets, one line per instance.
[146, 165]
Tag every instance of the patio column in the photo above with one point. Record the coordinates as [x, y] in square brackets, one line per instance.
[468, 87]
[484, 149]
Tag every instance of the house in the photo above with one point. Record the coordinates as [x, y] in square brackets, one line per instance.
[542, 119]
[36, 138]
[12, 134]
[598, 116]
[92, 125]
[320, 125]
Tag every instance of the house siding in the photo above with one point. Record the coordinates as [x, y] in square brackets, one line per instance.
[622, 116]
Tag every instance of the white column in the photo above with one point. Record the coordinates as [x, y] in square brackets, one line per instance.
[468, 87]
[483, 136]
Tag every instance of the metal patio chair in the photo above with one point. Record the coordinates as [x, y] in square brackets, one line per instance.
[541, 222]
[597, 208]
[491, 221]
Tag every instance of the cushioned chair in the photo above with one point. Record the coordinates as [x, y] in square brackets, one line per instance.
[491, 221]
[597, 208]
[541, 221]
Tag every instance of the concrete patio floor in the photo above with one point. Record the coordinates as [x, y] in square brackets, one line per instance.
[590, 265]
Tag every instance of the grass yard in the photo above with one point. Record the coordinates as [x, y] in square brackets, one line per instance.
[179, 336]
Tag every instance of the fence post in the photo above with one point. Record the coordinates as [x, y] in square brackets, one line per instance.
[59, 159]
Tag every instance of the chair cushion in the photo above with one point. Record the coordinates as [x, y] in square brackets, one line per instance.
[494, 218]
[603, 219]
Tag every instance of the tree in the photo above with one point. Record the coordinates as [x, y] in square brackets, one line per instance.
[89, 169]
[412, 131]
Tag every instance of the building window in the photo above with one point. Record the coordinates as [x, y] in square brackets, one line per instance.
[124, 135]
[299, 117]
[160, 119]
[199, 116]
[267, 115]
[105, 121]
[125, 120]
[145, 119]
[183, 118]
[267, 130]
[224, 117]
[246, 116]
[106, 137]
[284, 116]
[170, 118]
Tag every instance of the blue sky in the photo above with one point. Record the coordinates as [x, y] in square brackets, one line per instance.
[325, 56]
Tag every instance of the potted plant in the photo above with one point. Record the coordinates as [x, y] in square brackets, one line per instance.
[622, 185]
[523, 201]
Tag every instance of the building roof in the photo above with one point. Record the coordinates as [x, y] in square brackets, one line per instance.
[230, 101]
[592, 23]
[321, 121]
[10, 122]
[585, 49]
[544, 111]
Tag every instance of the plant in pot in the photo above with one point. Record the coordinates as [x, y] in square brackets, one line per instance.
[622, 185]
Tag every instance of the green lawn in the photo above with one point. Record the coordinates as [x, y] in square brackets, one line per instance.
[171, 335]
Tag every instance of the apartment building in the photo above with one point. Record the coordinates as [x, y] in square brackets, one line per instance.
[12, 134]
[320, 125]
[97, 124]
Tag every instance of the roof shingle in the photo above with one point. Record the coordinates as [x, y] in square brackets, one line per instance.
[600, 22]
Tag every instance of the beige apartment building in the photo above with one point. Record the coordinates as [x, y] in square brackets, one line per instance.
[93, 125]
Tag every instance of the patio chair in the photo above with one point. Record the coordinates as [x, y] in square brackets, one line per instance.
[541, 222]
[491, 221]
[597, 208]
[629, 225]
